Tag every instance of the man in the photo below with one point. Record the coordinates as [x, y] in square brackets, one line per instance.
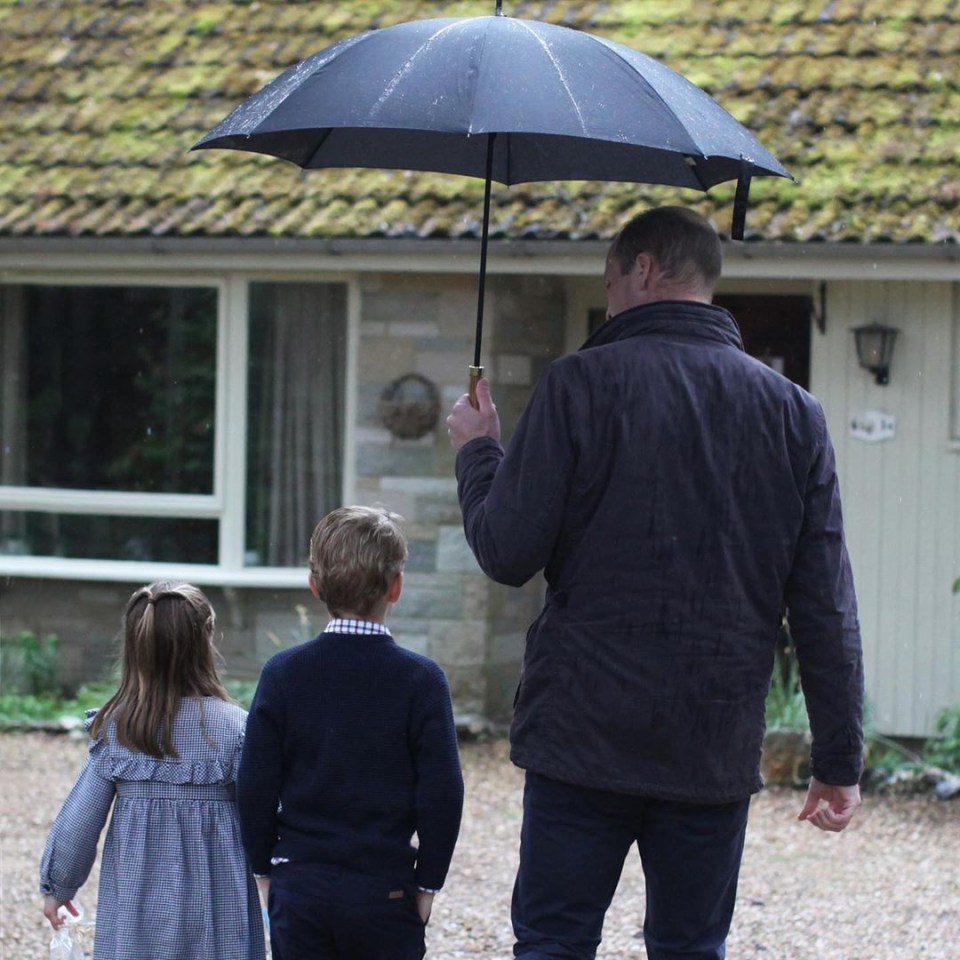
[678, 494]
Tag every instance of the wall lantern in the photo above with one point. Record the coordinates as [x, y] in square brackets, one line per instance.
[875, 349]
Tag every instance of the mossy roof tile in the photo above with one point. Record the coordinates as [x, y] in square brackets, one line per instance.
[859, 98]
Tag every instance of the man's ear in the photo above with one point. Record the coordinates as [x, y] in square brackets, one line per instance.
[314, 589]
[396, 588]
[643, 268]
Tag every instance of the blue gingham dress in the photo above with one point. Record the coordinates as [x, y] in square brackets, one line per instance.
[174, 880]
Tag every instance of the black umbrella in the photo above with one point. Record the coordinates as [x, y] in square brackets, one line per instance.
[500, 98]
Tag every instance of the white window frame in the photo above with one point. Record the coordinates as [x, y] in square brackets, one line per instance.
[227, 502]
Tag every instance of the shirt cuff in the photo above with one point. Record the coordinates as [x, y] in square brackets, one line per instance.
[63, 894]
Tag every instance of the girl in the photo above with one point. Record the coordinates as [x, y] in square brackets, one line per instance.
[164, 749]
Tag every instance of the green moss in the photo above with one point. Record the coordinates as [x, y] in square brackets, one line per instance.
[103, 101]
[206, 20]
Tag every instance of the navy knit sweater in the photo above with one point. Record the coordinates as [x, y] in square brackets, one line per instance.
[350, 749]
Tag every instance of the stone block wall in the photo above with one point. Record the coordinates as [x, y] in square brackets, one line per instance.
[450, 610]
[86, 617]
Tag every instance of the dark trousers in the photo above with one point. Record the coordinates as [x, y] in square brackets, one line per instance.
[573, 844]
[318, 912]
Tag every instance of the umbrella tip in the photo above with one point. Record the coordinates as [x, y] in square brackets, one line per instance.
[499, 10]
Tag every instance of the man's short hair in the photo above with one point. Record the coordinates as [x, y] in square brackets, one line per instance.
[355, 555]
[684, 245]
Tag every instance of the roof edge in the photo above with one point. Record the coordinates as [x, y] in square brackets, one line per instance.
[574, 257]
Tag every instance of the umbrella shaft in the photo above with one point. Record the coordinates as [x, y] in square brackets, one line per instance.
[484, 236]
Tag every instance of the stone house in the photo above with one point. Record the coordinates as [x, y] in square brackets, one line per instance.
[201, 353]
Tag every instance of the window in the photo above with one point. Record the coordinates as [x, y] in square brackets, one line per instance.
[93, 537]
[169, 424]
[108, 389]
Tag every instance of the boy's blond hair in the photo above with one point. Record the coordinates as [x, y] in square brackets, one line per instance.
[355, 555]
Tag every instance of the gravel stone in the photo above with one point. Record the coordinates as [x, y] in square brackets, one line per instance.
[888, 887]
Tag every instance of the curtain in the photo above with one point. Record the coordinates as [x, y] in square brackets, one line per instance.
[305, 384]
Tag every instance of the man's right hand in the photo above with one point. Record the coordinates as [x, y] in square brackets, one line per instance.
[466, 423]
[830, 807]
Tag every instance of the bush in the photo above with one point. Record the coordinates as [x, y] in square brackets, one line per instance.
[90, 696]
[786, 708]
[17, 710]
[242, 691]
[29, 665]
[25, 710]
[943, 749]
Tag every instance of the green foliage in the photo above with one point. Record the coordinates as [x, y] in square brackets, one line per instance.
[90, 696]
[23, 709]
[896, 766]
[887, 756]
[786, 708]
[29, 665]
[242, 691]
[943, 749]
[19, 710]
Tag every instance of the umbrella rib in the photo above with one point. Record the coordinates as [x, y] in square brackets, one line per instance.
[321, 140]
[407, 67]
[696, 172]
[612, 47]
[559, 71]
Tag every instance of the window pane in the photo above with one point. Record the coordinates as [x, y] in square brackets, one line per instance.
[90, 537]
[296, 421]
[108, 388]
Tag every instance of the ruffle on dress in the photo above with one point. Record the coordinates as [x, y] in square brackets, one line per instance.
[113, 761]
[129, 766]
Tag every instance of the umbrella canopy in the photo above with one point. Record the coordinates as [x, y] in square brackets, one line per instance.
[501, 98]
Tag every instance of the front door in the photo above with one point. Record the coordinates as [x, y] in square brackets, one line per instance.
[775, 329]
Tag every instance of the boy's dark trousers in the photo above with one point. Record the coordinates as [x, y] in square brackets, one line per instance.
[320, 912]
[572, 847]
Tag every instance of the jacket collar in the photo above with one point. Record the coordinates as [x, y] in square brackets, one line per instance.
[683, 318]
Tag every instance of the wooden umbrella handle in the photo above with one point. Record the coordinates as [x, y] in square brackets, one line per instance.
[475, 374]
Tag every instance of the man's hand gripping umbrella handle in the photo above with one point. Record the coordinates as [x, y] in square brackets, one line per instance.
[475, 374]
[473, 415]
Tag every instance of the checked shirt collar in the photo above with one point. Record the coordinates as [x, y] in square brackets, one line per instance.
[363, 628]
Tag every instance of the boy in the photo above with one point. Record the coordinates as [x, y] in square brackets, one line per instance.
[350, 749]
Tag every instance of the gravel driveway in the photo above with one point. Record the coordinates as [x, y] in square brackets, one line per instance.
[889, 887]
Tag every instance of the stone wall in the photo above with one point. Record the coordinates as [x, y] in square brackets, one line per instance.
[86, 617]
[450, 610]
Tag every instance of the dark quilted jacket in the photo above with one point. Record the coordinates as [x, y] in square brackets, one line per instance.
[678, 494]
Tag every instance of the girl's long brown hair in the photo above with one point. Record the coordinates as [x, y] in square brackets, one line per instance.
[167, 654]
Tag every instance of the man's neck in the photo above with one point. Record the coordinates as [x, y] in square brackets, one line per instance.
[668, 291]
[374, 616]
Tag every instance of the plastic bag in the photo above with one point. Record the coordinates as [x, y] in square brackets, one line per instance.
[74, 940]
[64, 946]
